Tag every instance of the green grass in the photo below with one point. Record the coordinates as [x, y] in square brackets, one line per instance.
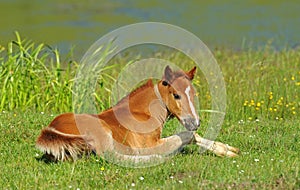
[262, 120]
[269, 159]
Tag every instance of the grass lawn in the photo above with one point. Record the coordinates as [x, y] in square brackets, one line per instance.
[262, 119]
[269, 159]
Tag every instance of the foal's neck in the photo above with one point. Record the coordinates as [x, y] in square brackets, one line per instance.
[144, 104]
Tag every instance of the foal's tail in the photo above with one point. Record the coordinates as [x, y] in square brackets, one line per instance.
[61, 146]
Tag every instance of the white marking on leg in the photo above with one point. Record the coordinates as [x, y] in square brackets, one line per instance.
[187, 92]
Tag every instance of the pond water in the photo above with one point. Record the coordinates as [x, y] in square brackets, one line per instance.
[77, 23]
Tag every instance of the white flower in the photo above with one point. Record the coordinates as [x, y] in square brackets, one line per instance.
[256, 160]
[180, 181]
[132, 184]
[141, 178]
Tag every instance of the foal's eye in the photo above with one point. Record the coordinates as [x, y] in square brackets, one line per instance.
[177, 96]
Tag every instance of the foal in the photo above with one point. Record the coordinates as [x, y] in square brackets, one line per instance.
[131, 130]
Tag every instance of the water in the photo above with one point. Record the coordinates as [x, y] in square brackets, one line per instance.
[77, 23]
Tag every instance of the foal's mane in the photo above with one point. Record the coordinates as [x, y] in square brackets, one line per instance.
[148, 84]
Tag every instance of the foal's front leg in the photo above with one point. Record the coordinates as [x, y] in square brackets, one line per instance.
[218, 148]
[174, 143]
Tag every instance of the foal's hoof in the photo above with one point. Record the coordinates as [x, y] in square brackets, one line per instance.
[218, 148]
[224, 150]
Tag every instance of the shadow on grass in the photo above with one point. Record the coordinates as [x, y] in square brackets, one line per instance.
[49, 158]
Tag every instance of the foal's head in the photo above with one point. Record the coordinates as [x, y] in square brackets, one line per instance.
[178, 95]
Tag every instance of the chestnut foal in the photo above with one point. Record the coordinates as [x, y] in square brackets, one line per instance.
[131, 130]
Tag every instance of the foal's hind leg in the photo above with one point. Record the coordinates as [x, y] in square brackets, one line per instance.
[218, 148]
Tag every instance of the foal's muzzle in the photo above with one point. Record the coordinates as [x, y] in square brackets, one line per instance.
[191, 124]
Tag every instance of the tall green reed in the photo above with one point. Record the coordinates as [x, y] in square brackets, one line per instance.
[33, 77]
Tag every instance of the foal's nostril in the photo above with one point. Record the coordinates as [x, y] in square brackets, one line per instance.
[191, 124]
[196, 124]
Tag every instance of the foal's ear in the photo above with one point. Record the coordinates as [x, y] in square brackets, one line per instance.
[168, 74]
[190, 74]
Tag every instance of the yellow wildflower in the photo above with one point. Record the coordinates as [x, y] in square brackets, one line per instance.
[293, 78]
[196, 81]
[2, 48]
[279, 102]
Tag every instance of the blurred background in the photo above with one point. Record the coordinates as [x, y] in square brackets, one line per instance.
[77, 23]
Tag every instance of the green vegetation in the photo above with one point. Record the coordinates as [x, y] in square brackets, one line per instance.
[32, 77]
[262, 119]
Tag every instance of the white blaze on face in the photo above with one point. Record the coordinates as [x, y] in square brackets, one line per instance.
[187, 92]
